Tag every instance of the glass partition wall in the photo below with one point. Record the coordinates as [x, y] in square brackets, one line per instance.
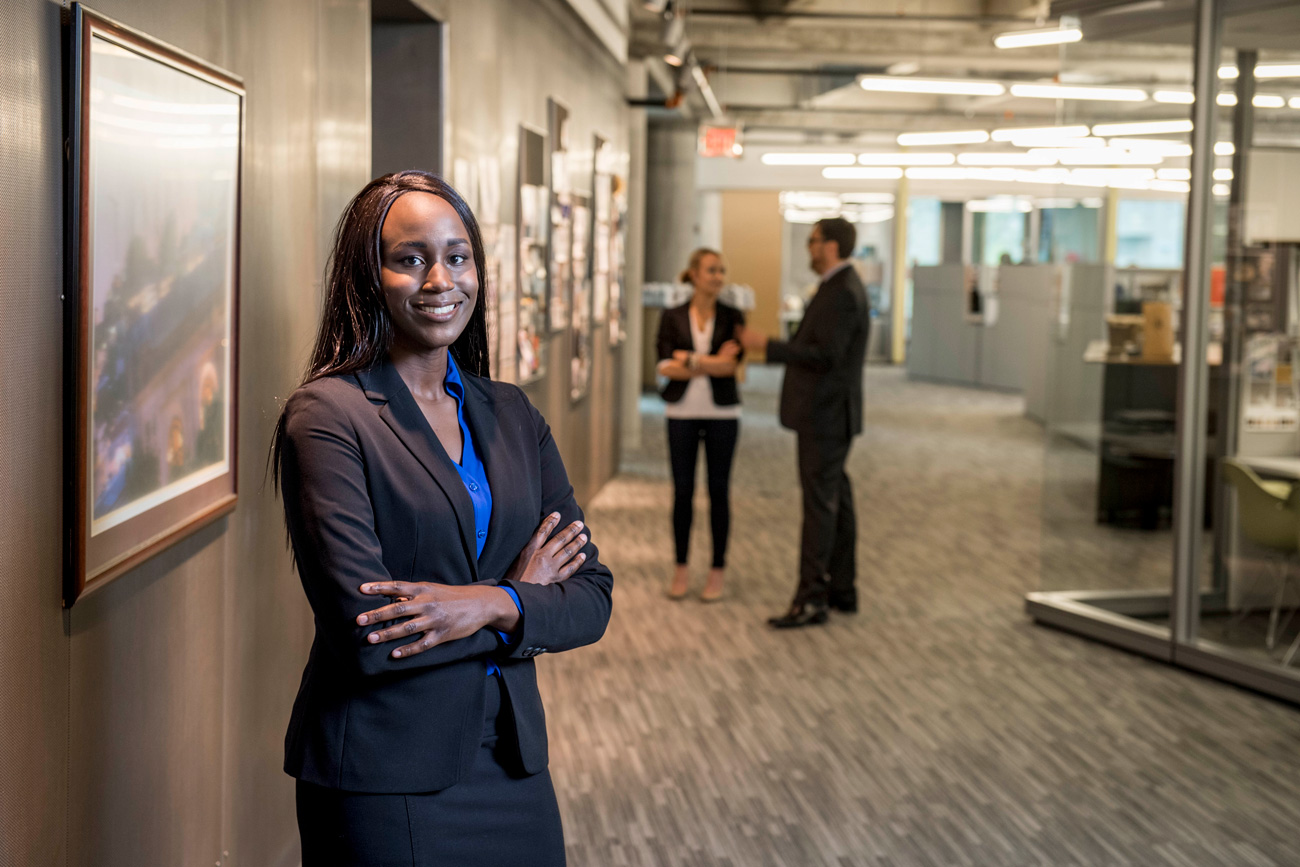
[1171, 490]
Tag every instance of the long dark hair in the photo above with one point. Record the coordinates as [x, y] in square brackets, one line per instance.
[356, 331]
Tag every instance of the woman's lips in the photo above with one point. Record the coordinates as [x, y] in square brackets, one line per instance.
[439, 312]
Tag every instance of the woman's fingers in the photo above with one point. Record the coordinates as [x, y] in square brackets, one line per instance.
[429, 640]
[570, 551]
[569, 568]
[563, 538]
[390, 588]
[410, 627]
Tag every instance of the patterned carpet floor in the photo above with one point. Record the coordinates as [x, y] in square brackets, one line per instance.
[936, 727]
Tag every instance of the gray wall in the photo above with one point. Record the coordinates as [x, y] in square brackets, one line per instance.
[145, 726]
[672, 208]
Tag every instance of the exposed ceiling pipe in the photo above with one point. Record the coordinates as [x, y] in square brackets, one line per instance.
[706, 90]
[854, 16]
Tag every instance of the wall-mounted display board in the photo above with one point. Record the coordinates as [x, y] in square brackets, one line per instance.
[618, 260]
[533, 215]
[580, 314]
[601, 240]
[561, 241]
[151, 307]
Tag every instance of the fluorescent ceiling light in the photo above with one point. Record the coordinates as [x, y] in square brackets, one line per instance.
[1268, 100]
[799, 215]
[943, 87]
[1177, 97]
[903, 67]
[1043, 176]
[1092, 202]
[1071, 91]
[1226, 99]
[1156, 127]
[1294, 102]
[1056, 203]
[1228, 72]
[999, 205]
[874, 215]
[863, 173]
[968, 136]
[1008, 158]
[1029, 38]
[809, 201]
[1161, 146]
[1170, 186]
[1223, 174]
[1100, 156]
[1046, 141]
[1132, 179]
[900, 159]
[1174, 174]
[788, 159]
[1277, 70]
[926, 173]
[867, 198]
[1221, 190]
[1224, 149]
[1062, 131]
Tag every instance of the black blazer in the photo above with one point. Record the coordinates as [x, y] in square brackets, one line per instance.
[371, 495]
[822, 390]
[675, 333]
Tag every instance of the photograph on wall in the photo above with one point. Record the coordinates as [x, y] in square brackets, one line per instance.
[561, 217]
[152, 297]
[602, 208]
[580, 315]
[618, 260]
[532, 218]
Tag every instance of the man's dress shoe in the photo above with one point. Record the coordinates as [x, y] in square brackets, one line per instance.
[800, 615]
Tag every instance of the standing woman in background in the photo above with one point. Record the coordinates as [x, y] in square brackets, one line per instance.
[699, 357]
[440, 547]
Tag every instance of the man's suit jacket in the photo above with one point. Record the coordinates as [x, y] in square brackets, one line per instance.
[371, 495]
[675, 333]
[822, 391]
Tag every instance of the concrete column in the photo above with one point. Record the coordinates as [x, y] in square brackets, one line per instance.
[898, 293]
[1110, 237]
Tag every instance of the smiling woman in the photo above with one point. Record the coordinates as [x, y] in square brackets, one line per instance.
[440, 546]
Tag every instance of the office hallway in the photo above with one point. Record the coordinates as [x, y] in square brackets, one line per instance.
[937, 726]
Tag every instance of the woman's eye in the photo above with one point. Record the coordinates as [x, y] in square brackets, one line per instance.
[412, 261]
[458, 259]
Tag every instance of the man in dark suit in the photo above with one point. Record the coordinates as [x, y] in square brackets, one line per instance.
[821, 401]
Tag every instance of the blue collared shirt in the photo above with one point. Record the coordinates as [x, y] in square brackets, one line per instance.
[474, 476]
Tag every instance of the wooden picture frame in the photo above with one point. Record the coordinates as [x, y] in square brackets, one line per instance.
[151, 298]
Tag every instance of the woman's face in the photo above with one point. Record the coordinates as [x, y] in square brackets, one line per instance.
[709, 276]
[427, 272]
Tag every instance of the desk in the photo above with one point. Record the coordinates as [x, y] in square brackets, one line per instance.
[1278, 468]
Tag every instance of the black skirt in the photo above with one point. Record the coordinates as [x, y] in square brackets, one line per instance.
[496, 816]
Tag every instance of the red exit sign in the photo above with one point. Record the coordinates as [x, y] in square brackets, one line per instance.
[720, 141]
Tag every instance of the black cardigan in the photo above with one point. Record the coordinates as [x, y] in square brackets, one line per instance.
[675, 333]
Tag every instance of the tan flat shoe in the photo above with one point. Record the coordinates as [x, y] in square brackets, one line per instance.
[711, 595]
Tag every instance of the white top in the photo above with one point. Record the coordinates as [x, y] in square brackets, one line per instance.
[697, 402]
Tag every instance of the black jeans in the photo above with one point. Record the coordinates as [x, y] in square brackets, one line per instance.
[719, 435]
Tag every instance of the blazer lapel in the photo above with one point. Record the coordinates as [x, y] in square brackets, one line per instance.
[403, 415]
[481, 416]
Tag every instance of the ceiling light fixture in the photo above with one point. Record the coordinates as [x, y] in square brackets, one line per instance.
[1161, 146]
[1294, 102]
[1174, 174]
[1221, 190]
[1224, 149]
[925, 173]
[942, 87]
[1223, 174]
[1228, 99]
[1170, 186]
[867, 198]
[1071, 91]
[1155, 127]
[1228, 72]
[999, 205]
[1176, 97]
[1029, 38]
[1277, 70]
[787, 159]
[903, 67]
[970, 136]
[863, 173]
[1046, 141]
[1008, 158]
[899, 159]
[1062, 131]
[1268, 100]
[1100, 156]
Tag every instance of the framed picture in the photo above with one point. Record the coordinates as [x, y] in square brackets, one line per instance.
[561, 217]
[618, 259]
[151, 300]
[602, 207]
[532, 213]
[580, 311]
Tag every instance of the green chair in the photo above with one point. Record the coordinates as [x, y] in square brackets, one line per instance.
[1269, 516]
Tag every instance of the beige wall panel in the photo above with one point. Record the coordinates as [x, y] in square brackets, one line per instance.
[751, 241]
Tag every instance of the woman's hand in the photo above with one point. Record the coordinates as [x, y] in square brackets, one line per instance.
[546, 562]
[443, 612]
[729, 350]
